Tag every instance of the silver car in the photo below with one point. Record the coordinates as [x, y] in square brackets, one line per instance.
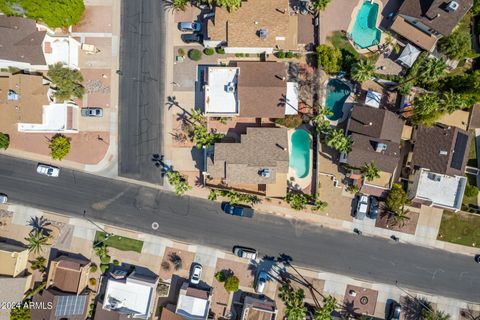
[189, 26]
[92, 112]
[3, 198]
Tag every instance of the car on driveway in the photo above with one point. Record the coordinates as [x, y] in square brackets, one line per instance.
[261, 281]
[191, 38]
[237, 210]
[394, 311]
[92, 112]
[362, 207]
[245, 252]
[48, 170]
[373, 212]
[196, 273]
[189, 26]
[3, 198]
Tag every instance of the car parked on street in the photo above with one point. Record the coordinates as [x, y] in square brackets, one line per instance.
[373, 212]
[3, 198]
[245, 252]
[92, 112]
[196, 273]
[48, 170]
[394, 311]
[237, 210]
[191, 38]
[261, 281]
[362, 207]
[477, 258]
[189, 26]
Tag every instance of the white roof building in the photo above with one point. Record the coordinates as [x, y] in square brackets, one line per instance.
[193, 303]
[439, 190]
[133, 295]
[408, 56]
[56, 118]
[221, 97]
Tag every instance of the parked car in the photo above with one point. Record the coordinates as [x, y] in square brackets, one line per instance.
[92, 112]
[362, 207]
[477, 258]
[244, 252]
[394, 311]
[191, 38]
[373, 212]
[3, 198]
[189, 26]
[261, 280]
[196, 273]
[48, 170]
[237, 210]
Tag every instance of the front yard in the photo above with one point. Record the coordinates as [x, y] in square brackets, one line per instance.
[460, 228]
[120, 243]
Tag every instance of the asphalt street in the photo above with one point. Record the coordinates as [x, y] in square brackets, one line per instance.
[201, 222]
[141, 88]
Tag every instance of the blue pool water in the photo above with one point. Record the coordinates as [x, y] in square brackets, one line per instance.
[337, 94]
[365, 33]
[300, 153]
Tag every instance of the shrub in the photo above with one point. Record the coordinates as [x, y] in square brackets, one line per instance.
[289, 54]
[4, 140]
[104, 267]
[231, 283]
[105, 259]
[93, 282]
[208, 51]
[116, 262]
[220, 50]
[220, 276]
[239, 55]
[165, 266]
[396, 199]
[181, 52]
[471, 191]
[59, 147]
[329, 58]
[290, 121]
[195, 54]
[93, 267]
[39, 264]
[280, 54]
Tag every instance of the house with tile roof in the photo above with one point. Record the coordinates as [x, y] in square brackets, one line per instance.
[68, 274]
[28, 45]
[59, 305]
[424, 22]
[255, 308]
[376, 135]
[13, 259]
[258, 163]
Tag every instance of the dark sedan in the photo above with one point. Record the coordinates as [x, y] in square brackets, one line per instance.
[237, 210]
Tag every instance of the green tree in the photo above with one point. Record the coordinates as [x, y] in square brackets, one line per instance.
[67, 82]
[36, 241]
[363, 70]
[396, 199]
[426, 109]
[470, 191]
[318, 204]
[201, 137]
[39, 264]
[452, 101]
[230, 5]
[320, 5]
[178, 182]
[457, 45]
[399, 218]
[59, 147]
[54, 13]
[325, 312]
[293, 300]
[337, 140]
[231, 283]
[297, 201]
[329, 58]
[20, 313]
[4, 141]
[177, 4]
[370, 171]
[430, 314]
[432, 69]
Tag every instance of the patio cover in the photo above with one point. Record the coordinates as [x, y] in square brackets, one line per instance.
[408, 55]
[373, 99]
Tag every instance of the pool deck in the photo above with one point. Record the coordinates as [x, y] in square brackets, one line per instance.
[353, 18]
[294, 182]
[347, 106]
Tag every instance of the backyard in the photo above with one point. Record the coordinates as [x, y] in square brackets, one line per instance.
[460, 228]
[120, 243]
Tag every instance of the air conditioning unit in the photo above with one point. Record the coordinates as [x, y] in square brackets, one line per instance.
[452, 6]
[230, 88]
[265, 173]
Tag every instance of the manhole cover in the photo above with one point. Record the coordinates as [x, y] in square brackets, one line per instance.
[363, 300]
[155, 225]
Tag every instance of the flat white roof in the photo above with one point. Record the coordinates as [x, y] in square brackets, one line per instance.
[221, 91]
[54, 119]
[373, 99]
[442, 190]
[128, 297]
[291, 103]
[192, 307]
[64, 50]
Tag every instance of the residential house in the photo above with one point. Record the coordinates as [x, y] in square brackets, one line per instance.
[13, 289]
[257, 163]
[68, 274]
[440, 154]
[250, 89]
[193, 303]
[13, 259]
[130, 296]
[28, 45]
[424, 22]
[56, 305]
[258, 309]
[258, 26]
[27, 106]
[376, 135]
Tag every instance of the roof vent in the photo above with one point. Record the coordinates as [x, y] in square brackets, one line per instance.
[230, 87]
[264, 173]
[443, 153]
[380, 147]
[12, 95]
[452, 6]
[434, 177]
[262, 33]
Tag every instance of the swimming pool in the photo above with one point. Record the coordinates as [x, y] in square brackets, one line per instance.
[364, 32]
[337, 94]
[300, 153]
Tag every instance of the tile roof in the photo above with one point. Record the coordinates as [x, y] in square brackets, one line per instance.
[21, 41]
[434, 15]
[262, 89]
[441, 149]
[413, 34]
[376, 123]
[241, 162]
[76, 311]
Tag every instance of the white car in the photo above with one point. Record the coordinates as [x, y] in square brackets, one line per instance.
[261, 280]
[196, 274]
[244, 252]
[47, 170]
[362, 207]
[3, 198]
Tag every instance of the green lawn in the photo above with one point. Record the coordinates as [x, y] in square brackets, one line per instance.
[339, 41]
[460, 228]
[120, 243]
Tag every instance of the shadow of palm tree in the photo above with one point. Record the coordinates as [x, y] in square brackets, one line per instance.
[412, 308]
[40, 224]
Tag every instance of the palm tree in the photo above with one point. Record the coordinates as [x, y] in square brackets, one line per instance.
[293, 299]
[426, 109]
[336, 139]
[325, 312]
[39, 225]
[399, 218]
[432, 70]
[370, 171]
[363, 70]
[430, 314]
[320, 5]
[36, 240]
[451, 101]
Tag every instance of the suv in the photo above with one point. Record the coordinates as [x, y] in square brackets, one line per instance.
[48, 170]
[373, 212]
[362, 207]
[244, 252]
[191, 38]
[92, 112]
[261, 280]
[189, 26]
[236, 210]
[196, 273]
[395, 311]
